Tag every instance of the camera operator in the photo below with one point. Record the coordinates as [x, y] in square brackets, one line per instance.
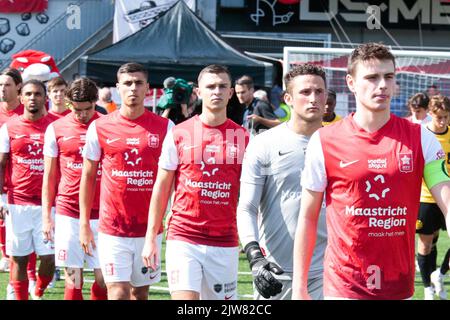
[179, 101]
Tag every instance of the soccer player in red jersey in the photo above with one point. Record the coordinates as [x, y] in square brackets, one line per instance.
[10, 106]
[370, 167]
[202, 157]
[56, 89]
[64, 141]
[21, 140]
[128, 144]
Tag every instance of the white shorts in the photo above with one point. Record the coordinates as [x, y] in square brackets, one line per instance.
[68, 250]
[210, 271]
[24, 231]
[121, 260]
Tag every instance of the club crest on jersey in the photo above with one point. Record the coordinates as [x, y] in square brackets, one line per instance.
[109, 268]
[153, 140]
[405, 162]
[232, 150]
[62, 255]
[218, 287]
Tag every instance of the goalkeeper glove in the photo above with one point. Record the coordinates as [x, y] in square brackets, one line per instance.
[262, 271]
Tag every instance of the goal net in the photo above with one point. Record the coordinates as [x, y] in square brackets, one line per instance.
[416, 71]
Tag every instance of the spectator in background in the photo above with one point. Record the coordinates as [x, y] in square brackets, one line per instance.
[398, 101]
[418, 107]
[258, 115]
[430, 219]
[56, 89]
[330, 116]
[433, 90]
[105, 100]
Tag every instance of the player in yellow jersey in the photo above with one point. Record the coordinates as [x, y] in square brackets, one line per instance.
[430, 219]
[330, 116]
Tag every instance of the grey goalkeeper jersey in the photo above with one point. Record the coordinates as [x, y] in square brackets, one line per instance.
[270, 197]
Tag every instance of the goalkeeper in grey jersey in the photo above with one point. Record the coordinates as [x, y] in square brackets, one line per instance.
[270, 193]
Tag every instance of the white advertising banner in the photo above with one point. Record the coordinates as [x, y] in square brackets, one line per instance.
[132, 15]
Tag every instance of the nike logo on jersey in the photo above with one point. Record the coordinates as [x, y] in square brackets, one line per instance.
[346, 164]
[68, 138]
[18, 136]
[109, 141]
[280, 153]
[189, 147]
[228, 297]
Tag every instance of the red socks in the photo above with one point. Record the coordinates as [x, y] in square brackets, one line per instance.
[73, 294]
[20, 289]
[3, 239]
[41, 284]
[31, 267]
[98, 293]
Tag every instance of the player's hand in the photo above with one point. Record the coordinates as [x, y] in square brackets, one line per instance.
[150, 253]
[48, 228]
[87, 240]
[3, 207]
[254, 117]
[262, 271]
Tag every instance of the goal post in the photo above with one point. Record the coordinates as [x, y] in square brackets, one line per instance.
[416, 71]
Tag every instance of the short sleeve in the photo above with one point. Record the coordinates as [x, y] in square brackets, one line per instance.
[314, 176]
[169, 159]
[92, 149]
[50, 145]
[4, 139]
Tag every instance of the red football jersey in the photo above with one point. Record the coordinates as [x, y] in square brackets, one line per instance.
[59, 115]
[130, 150]
[373, 183]
[206, 181]
[26, 162]
[65, 139]
[6, 115]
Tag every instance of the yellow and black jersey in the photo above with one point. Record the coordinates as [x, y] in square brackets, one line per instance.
[444, 139]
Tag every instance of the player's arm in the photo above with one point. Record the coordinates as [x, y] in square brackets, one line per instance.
[438, 181]
[49, 183]
[158, 205]
[167, 165]
[304, 242]
[87, 191]
[49, 187]
[92, 154]
[3, 208]
[252, 185]
[4, 157]
[313, 181]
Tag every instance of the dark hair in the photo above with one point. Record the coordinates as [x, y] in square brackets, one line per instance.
[331, 93]
[439, 102]
[56, 82]
[14, 74]
[132, 67]
[366, 52]
[419, 99]
[245, 80]
[82, 90]
[36, 83]
[216, 69]
[301, 70]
